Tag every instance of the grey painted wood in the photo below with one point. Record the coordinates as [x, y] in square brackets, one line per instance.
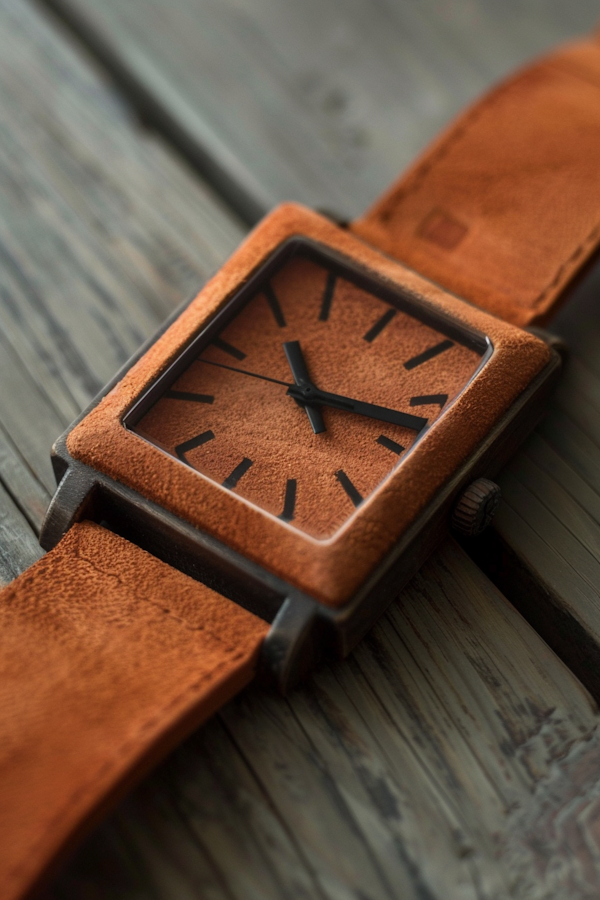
[322, 101]
[550, 517]
[451, 757]
[18, 544]
[21, 483]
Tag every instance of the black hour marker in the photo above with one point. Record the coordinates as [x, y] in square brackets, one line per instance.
[188, 395]
[428, 354]
[440, 399]
[380, 325]
[290, 500]
[274, 305]
[228, 348]
[194, 442]
[389, 444]
[241, 469]
[327, 297]
[352, 492]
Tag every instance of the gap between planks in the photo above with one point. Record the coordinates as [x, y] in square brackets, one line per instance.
[547, 559]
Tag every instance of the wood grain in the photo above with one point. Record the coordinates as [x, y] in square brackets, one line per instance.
[18, 545]
[322, 102]
[453, 756]
[550, 518]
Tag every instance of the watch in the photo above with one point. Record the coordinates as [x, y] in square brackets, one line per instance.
[256, 485]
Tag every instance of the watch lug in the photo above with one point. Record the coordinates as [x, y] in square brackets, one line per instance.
[72, 497]
[294, 645]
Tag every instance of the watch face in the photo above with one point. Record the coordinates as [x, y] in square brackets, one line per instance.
[309, 388]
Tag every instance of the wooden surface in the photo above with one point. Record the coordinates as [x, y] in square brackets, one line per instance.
[322, 101]
[453, 755]
[550, 517]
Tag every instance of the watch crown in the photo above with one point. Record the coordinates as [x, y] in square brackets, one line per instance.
[475, 507]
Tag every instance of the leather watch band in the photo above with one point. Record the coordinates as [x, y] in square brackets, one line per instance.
[504, 209]
[108, 658]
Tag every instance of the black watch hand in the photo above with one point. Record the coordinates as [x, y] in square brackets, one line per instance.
[308, 393]
[209, 362]
[297, 364]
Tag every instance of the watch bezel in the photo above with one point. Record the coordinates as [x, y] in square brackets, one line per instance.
[330, 571]
[344, 268]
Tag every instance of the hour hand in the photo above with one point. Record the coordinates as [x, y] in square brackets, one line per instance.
[297, 364]
[337, 401]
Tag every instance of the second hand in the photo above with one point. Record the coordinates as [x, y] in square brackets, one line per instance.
[245, 372]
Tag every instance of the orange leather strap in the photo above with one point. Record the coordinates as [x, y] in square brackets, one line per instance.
[108, 657]
[504, 209]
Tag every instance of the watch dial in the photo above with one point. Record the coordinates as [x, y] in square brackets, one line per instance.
[309, 388]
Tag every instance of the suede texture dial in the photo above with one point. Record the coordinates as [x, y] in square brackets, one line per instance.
[248, 434]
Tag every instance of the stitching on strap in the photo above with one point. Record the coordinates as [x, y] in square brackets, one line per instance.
[591, 239]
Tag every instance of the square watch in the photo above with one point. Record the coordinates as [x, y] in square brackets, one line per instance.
[298, 436]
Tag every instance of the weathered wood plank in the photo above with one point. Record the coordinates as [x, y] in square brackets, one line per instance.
[318, 102]
[28, 416]
[448, 757]
[550, 518]
[427, 765]
[20, 482]
[18, 544]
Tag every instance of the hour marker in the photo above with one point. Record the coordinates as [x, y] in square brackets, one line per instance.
[389, 444]
[274, 305]
[380, 325]
[352, 492]
[440, 399]
[194, 442]
[290, 500]
[228, 348]
[327, 297]
[428, 354]
[188, 395]
[241, 469]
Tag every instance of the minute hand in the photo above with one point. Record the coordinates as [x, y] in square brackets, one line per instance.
[308, 393]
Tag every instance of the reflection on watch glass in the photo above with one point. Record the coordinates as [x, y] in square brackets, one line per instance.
[310, 387]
